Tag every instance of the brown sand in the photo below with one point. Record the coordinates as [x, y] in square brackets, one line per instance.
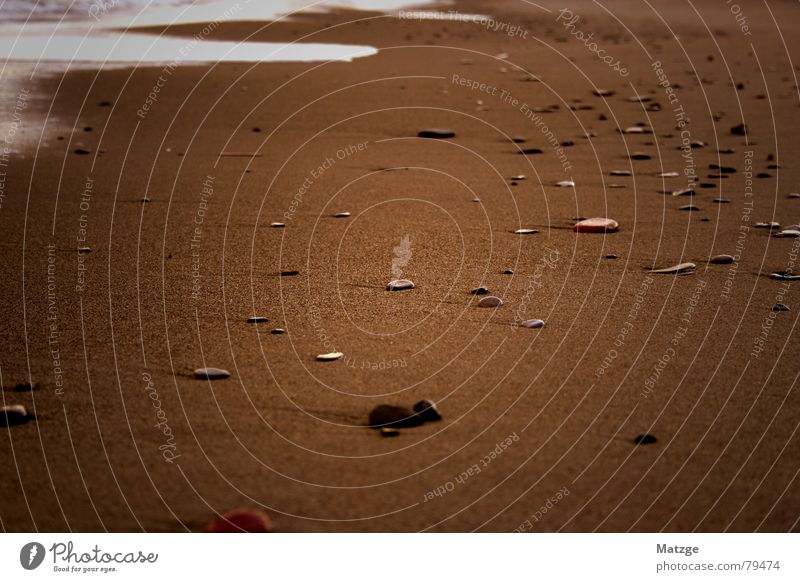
[285, 432]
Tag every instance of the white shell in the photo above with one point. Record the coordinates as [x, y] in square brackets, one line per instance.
[676, 269]
[211, 374]
[329, 357]
[490, 302]
[400, 285]
[532, 323]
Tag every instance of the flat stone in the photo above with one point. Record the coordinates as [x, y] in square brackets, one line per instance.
[721, 201]
[740, 129]
[596, 225]
[668, 175]
[620, 173]
[676, 269]
[387, 432]
[427, 411]
[722, 169]
[277, 224]
[793, 195]
[780, 307]
[14, 414]
[257, 319]
[526, 231]
[277, 331]
[480, 291]
[784, 276]
[565, 184]
[387, 415]
[683, 192]
[616, 186]
[532, 323]
[530, 151]
[635, 129]
[329, 357]
[490, 301]
[518, 178]
[639, 99]
[400, 285]
[640, 156]
[82, 152]
[436, 133]
[603, 92]
[341, 215]
[84, 250]
[289, 273]
[721, 260]
[211, 374]
[767, 225]
[689, 208]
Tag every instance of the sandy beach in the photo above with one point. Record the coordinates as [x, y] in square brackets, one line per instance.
[111, 301]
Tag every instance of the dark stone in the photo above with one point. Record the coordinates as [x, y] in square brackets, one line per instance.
[640, 156]
[722, 169]
[393, 417]
[427, 411]
[644, 439]
[82, 152]
[740, 129]
[436, 133]
[531, 151]
[479, 291]
[780, 307]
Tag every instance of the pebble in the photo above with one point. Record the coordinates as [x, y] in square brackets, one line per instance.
[596, 225]
[241, 521]
[341, 215]
[767, 225]
[436, 133]
[683, 192]
[640, 156]
[780, 307]
[794, 195]
[490, 301]
[25, 387]
[644, 439]
[289, 273]
[14, 414]
[508, 272]
[721, 260]
[427, 411]
[565, 184]
[763, 175]
[668, 175]
[784, 276]
[84, 250]
[611, 256]
[277, 224]
[635, 129]
[329, 357]
[389, 432]
[689, 208]
[639, 99]
[530, 151]
[257, 319]
[518, 178]
[532, 323]
[526, 231]
[721, 201]
[82, 152]
[277, 331]
[722, 169]
[387, 415]
[789, 232]
[603, 92]
[616, 186]
[620, 173]
[400, 285]
[211, 374]
[480, 291]
[676, 269]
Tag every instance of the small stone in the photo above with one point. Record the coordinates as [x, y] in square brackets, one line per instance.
[644, 439]
[620, 173]
[727, 151]
[597, 225]
[436, 133]
[389, 432]
[277, 331]
[526, 231]
[241, 521]
[784, 276]
[277, 224]
[427, 411]
[689, 208]
[211, 374]
[668, 175]
[789, 232]
[387, 415]
[480, 291]
[289, 273]
[329, 357]
[616, 186]
[780, 307]
[722, 169]
[530, 151]
[763, 175]
[341, 215]
[635, 129]
[518, 178]
[639, 99]
[679, 269]
[532, 323]
[683, 192]
[508, 272]
[25, 387]
[84, 250]
[740, 129]
[603, 92]
[13, 415]
[640, 156]
[400, 285]
[565, 184]
[721, 201]
[767, 225]
[721, 260]
[490, 301]
[257, 319]
[82, 152]
[794, 195]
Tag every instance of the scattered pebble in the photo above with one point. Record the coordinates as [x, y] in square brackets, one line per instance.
[387, 415]
[620, 173]
[639, 99]
[532, 323]
[780, 307]
[683, 192]
[611, 256]
[794, 195]
[508, 272]
[603, 92]
[14, 414]
[436, 133]
[644, 439]
[329, 357]
[400, 285]
[490, 301]
[784, 276]
[84, 250]
[635, 129]
[676, 269]
[668, 175]
[427, 411]
[565, 184]
[389, 432]
[689, 208]
[277, 224]
[341, 215]
[530, 151]
[211, 374]
[721, 201]
[767, 225]
[640, 156]
[480, 291]
[596, 225]
[740, 129]
[289, 273]
[82, 152]
[257, 319]
[241, 521]
[518, 178]
[278, 331]
[721, 260]
[526, 231]
[616, 186]
[722, 169]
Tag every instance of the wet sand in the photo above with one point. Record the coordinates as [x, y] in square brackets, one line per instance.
[538, 424]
